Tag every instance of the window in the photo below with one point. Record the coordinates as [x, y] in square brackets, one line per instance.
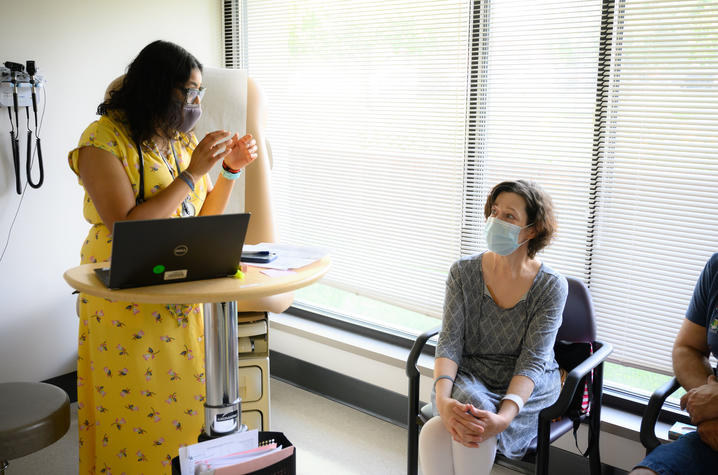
[655, 228]
[391, 120]
[367, 129]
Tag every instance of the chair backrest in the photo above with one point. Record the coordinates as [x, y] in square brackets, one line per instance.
[235, 102]
[578, 323]
[224, 105]
[224, 108]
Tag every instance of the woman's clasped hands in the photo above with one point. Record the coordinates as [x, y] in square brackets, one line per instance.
[469, 425]
[236, 152]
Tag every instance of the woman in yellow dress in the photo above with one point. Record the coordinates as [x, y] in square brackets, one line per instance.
[141, 367]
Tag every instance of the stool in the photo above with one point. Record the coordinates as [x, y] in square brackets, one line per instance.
[32, 416]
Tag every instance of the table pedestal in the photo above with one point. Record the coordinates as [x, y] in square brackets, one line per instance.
[223, 406]
[256, 291]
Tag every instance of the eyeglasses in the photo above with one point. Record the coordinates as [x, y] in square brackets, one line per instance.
[190, 94]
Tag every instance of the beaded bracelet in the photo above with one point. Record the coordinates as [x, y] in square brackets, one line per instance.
[186, 177]
[230, 173]
[230, 169]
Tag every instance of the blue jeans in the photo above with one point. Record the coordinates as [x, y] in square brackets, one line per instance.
[687, 455]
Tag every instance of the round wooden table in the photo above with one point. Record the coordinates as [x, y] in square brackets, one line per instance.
[221, 298]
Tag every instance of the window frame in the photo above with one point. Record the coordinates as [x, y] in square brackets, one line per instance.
[614, 398]
[236, 56]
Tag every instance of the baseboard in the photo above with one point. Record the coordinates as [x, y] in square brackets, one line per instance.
[390, 406]
[66, 382]
[377, 401]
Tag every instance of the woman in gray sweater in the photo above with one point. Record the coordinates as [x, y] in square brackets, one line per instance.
[495, 368]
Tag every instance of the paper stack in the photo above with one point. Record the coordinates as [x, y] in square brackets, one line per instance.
[678, 429]
[234, 454]
[288, 256]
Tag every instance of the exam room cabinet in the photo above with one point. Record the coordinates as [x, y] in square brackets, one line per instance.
[253, 376]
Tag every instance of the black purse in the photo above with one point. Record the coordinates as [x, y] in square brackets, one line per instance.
[569, 355]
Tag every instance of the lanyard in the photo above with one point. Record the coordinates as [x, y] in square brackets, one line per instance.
[187, 206]
[168, 163]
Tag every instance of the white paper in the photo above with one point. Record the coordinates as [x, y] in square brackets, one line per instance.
[288, 256]
[192, 455]
[277, 272]
[235, 459]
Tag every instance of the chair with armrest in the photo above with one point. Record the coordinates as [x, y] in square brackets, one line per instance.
[653, 409]
[578, 326]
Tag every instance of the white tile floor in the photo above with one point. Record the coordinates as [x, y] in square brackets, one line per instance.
[330, 438]
[342, 440]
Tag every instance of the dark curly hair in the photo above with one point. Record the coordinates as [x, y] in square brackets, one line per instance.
[146, 94]
[539, 210]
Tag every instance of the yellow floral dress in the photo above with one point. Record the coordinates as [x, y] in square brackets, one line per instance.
[140, 368]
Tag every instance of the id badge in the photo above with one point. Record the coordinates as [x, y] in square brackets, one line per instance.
[187, 208]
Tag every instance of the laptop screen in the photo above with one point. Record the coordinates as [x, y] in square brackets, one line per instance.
[160, 251]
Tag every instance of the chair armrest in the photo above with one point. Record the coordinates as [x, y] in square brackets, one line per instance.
[653, 409]
[573, 379]
[411, 369]
[413, 419]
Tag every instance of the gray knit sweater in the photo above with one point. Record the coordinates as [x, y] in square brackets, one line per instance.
[491, 345]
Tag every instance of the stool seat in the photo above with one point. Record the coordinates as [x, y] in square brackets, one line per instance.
[32, 416]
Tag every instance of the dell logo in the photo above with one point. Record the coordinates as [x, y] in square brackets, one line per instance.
[181, 250]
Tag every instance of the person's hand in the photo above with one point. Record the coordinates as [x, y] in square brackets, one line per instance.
[702, 402]
[463, 427]
[205, 154]
[708, 432]
[243, 152]
[493, 423]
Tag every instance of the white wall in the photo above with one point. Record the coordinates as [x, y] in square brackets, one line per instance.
[79, 47]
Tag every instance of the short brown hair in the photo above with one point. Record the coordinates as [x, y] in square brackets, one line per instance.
[539, 210]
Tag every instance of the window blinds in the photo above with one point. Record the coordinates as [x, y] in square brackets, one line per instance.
[657, 222]
[233, 34]
[367, 104]
[535, 116]
[390, 122]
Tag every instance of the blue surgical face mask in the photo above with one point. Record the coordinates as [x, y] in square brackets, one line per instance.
[502, 238]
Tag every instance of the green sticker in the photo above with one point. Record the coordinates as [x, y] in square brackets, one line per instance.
[158, 269]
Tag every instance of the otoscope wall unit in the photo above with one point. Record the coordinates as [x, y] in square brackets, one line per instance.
[24, 88]
[18, 90]
[24, 94]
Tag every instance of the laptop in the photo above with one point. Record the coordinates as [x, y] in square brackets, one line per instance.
[163, 251]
